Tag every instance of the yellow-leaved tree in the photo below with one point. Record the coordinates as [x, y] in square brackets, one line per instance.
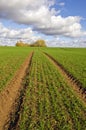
[39, 43]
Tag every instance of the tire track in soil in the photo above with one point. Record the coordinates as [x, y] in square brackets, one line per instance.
[71, 81]
[12, 97]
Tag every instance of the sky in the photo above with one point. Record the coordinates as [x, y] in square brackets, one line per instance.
[61, 23]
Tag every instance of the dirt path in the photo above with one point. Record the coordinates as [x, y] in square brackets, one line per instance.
[70, 80]
[11, 92]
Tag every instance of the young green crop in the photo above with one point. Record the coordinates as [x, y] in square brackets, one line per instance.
[49, 103]
[73, 60]
[11, 59]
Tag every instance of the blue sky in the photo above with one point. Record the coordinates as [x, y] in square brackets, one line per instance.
[59, 22]
[75, 8]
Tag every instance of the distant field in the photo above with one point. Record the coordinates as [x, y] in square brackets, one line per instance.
[73, 60]
[48, 99]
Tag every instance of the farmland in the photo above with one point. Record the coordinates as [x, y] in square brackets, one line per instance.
[48, 101]
[10, 60]
[72, 60]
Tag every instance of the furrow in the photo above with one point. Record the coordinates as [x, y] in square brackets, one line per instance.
[12, 97]
[71, 81]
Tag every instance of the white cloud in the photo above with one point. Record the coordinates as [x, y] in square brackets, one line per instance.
[63, 42]
[43, 17]
[58, 25]
[10, 36]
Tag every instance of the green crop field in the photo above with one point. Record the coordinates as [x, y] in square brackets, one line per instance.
[49, 101]
[10, 60]
[73, 60]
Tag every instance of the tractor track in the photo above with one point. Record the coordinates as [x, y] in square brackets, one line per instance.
[71, 81]
[12, 97]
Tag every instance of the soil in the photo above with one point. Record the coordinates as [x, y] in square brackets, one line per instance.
[70, 80]
[11, 93]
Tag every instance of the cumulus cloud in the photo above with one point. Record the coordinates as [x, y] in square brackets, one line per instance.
[62, 42]
[10, 36]
[42, 15]
[43, 18]
[69, 26]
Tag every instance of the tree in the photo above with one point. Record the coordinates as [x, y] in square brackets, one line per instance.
[21, 44]
[40, 43]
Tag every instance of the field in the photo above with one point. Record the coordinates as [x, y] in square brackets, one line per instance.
[10, 61]
[50, 94]
[72, 60]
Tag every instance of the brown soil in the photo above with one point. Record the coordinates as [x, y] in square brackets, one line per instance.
[71, 81]
[11, 92]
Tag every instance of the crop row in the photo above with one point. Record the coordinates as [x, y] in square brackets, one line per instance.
[73, 60]
[49, 103]
[11, 59]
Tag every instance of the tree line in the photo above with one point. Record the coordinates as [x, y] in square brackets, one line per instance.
[38, 43]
